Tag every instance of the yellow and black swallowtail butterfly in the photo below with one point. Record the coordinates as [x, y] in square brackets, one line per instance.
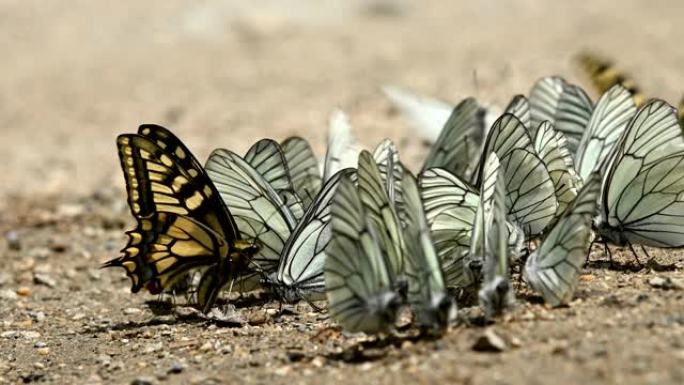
[182, 223]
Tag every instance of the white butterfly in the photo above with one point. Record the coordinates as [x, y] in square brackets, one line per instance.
[553, 269]
[427, 292]
[642, 198]
[360, 285]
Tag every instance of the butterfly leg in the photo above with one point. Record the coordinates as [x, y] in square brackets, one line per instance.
[608, 252]
[646, 252]
[636, 256]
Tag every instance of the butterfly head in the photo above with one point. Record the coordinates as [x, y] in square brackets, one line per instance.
[495, 297]
[385, 307]
[441, 312]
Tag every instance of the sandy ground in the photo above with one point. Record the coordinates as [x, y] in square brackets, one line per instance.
[226, 73]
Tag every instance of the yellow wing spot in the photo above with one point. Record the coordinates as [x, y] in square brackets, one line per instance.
[180, 153]
[128, 151]
[129, 161]
[193, 173]
[156, 256]
[129, 265]
[134, 238]
[188, 249]
[165, 199]
[134, 183]
[165, 263]
[156, 167]
[158, 247]
[166, 160]
[146, 131]
[172, 209]
[178, 183]
[124, 140]
[161, 144]
[207, 191]
[136, 208]
[194, 201]
[145, 154]
[135, 195]
[132, 251]
[146, 224]
[155, 176]
[164, 239]
[161, 188]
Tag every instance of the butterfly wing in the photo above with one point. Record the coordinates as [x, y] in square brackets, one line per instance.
[520, 108]
[358, 282]
[496, 293]
[474, 262]
[450, 206]
[643, 200]
[553, 269]
[303, 257]
[608, 121]
[387, 158]
[550, 145]
[267, 158]
[380, 212]
[459, 140]
[544, 98]
[259, 211]
[530, 192]
[426, 115]
[426, 288]
[573, 115]
[306, 177]
[343, 150]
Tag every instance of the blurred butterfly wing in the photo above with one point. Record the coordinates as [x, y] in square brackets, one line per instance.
[306, 177]
[387, 158]
[459, 140]
[426, 285]
[267, 158]
[643, 195]
[450, 206]
[550, 145]
[427, 115]
[380, 212]
[256, 206]
[358, 282]
[303, 257]
[553, 269]
[482, 225]
[573, 115]
[520, 108]
[613, 111]
[343, 150]
[544, 98]
[604, 75]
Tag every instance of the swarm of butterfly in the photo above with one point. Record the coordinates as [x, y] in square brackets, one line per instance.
[553, 173]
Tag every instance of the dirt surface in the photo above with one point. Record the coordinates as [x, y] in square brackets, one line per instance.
[226, 73]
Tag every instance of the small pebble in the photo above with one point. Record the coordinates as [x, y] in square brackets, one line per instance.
[142, 381]
[39, 344]
[43, 351]
[13, 241]
[489, 341]
[37, 316]
[44, 279]
[24, 291]
[30, 334]
[131, 310]
[8, 294]
[666, 283]
[175, 368]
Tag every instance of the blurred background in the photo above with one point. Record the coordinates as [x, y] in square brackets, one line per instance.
[224, 73]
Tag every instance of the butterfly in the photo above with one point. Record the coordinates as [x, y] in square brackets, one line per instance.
[182, 224]
[553, 269]
[258, 190]
[300, 269]
[343, 149]
[360, 284]
[604, 75]
[641, 197]
[530, 192]
[496, 293]
[427, 292]
[303, 169]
